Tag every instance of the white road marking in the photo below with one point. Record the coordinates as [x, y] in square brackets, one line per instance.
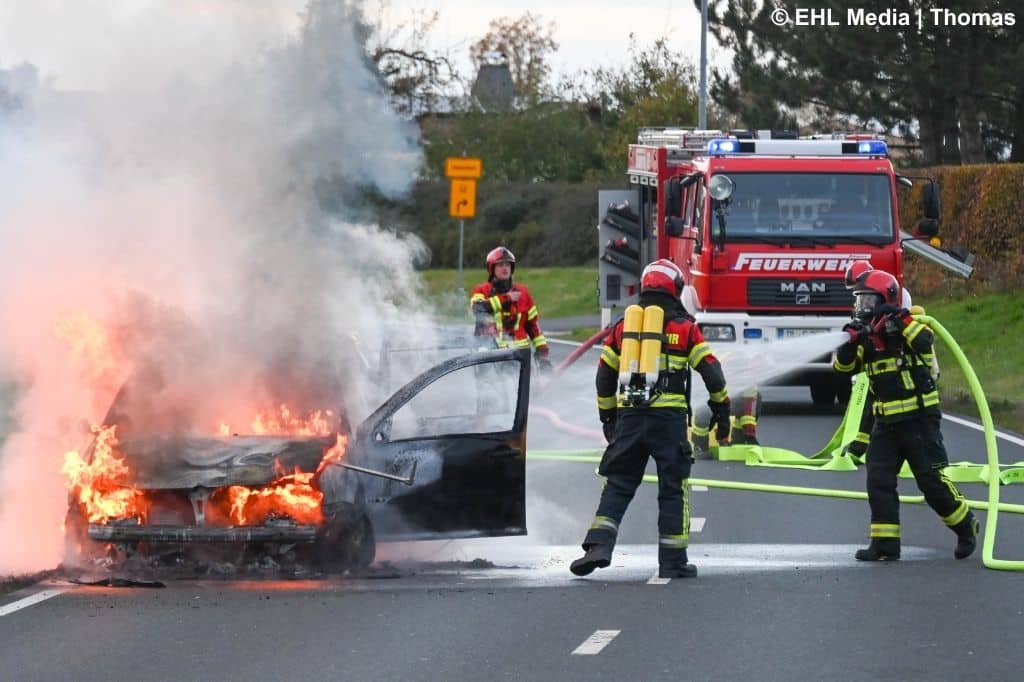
[655, 580]
[697, 524]
[979, 427]
[597, 641]
[567, 343]
[699, 488]
[42, 595]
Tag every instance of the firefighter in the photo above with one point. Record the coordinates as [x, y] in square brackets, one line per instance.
[505, 311]
[855, 274]
[895, 352]
[653, 424]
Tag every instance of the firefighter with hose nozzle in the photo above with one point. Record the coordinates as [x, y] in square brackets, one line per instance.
[643, 387]
[895, 351]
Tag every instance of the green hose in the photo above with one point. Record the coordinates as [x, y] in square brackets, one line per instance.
[992, 506]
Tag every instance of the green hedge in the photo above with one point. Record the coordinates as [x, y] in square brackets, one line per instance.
[553, 224]
[544, 224]
[982, 211]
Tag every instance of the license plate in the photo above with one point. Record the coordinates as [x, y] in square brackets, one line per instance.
[801, 331]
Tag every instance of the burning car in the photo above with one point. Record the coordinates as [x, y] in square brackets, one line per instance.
[443, 457]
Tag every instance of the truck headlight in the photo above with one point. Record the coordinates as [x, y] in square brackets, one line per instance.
[718, 332]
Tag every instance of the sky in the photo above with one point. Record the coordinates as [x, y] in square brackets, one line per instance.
[64, 38]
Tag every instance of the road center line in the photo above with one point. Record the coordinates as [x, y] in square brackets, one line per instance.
[597, 641]
[25, 602]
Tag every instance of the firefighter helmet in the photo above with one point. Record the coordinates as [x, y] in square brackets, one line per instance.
[874, 289]
[499, 255]
[665, 275]
[855, 272]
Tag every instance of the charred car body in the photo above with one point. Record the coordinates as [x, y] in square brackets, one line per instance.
[443, 457]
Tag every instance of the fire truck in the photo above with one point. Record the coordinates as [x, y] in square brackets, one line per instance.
[763, 225]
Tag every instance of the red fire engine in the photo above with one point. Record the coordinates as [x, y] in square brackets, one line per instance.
[764, 226]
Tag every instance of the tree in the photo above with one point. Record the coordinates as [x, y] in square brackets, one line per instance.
[936, 85]
[526, 44]
[657, 87]
[417, 77]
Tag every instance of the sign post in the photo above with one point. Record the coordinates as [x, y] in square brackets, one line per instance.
[463, 172]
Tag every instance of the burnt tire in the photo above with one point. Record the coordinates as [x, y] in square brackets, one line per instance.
[346, 542]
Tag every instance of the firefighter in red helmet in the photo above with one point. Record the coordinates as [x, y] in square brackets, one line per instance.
[855, 273]
[652, 425]
[505, 310]
[896, 353]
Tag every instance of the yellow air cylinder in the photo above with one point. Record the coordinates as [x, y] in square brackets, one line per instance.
[650, 347]
[629, 359]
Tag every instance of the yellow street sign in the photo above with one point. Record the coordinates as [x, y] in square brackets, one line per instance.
[463, 167]
[462, 200]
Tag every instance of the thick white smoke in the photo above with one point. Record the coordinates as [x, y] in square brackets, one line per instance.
[172, 223]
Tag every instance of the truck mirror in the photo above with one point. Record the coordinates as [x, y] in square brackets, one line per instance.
[673, 197]
[930, 204]
[690, 179]
[674, 226]
[905, 181]
[928, 227]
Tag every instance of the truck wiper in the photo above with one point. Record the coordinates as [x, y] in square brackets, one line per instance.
[793, 240]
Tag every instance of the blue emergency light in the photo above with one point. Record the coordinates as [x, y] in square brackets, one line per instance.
[873, 147]
[723, 147]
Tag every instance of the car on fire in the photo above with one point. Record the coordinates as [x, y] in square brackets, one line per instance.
[443, 457]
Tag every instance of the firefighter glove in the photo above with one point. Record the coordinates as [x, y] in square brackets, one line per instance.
[544, 364]
[858, 331]
[608, 418]
[719, 419]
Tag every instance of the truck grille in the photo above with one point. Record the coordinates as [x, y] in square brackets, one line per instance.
[789, 293]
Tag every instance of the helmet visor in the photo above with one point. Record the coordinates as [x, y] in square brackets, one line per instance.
[865, 303]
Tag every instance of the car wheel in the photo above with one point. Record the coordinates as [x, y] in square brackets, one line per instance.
[346, 541]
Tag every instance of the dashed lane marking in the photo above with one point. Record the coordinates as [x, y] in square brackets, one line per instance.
[596, 642]
[699, 488]
[697, 524]
[42, 595]
[655, 580]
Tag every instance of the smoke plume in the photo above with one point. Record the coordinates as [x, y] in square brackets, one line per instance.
[169, 226]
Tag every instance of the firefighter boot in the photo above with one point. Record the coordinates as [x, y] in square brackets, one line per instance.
[597, 556]
[967, 536]
[880, 549]
[673, 563]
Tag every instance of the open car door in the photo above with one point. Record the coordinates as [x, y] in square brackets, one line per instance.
[463, 424]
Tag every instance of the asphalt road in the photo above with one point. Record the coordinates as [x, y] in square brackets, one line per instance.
[779, 596]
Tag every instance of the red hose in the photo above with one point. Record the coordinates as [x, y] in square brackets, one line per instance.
[583, 348]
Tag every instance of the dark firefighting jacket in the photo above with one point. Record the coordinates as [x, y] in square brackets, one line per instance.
[514, 324]
[683, 348]
[899, 368]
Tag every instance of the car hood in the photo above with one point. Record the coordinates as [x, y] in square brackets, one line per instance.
[182, 462]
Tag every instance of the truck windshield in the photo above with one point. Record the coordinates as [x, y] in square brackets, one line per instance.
[802, 206]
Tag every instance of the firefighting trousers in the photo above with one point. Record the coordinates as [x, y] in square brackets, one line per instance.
[639, 435]
[918, 441]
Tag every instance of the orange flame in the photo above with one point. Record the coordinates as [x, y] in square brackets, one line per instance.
[335, 453]
[283, 422]
[293, 496]
[101, 485]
